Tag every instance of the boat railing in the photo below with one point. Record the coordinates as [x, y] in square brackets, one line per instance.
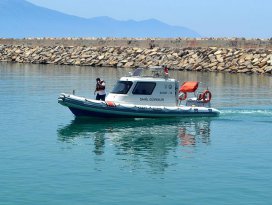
[156, 72]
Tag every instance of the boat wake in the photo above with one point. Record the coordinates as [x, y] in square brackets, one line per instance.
[250, 112]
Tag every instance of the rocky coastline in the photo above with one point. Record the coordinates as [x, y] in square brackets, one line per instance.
[211, 59]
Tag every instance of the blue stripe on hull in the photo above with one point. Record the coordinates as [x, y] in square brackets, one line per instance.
[79, 108]
[87, 113]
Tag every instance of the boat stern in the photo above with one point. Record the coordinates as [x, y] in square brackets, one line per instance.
[215, 111]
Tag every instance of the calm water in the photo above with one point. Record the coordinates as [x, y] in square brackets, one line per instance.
[49, 157]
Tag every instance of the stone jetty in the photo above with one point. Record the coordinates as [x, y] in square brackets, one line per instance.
[230, 59]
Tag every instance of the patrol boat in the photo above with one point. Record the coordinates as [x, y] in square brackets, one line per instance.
[139, 96]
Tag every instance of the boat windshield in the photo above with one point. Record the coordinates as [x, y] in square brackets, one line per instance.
[144, 88]
[122, 87]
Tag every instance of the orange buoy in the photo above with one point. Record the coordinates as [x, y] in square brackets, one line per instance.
[110, 104]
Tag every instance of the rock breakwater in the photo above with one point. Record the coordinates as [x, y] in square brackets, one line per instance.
[214, 59]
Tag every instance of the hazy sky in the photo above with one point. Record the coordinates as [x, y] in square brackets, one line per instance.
[211, 18]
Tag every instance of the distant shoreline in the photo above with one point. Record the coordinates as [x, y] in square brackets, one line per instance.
[235, 55]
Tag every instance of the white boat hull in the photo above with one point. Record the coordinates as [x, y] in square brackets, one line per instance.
[81, 106]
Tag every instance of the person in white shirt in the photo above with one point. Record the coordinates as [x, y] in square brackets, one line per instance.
[100, 89]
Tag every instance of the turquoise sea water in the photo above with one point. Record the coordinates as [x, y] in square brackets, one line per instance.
[49, 157]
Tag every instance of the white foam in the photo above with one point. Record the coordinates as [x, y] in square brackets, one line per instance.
[253, 112]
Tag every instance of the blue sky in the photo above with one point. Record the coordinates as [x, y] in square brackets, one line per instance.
[210, 18]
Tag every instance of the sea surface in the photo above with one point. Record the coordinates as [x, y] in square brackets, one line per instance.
[47, 156]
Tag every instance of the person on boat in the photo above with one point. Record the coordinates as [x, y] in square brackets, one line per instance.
[100, 89]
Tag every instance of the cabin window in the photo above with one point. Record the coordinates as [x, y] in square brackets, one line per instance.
[122, 87]
[144, 88]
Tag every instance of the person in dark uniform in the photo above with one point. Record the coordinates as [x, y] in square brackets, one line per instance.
[100, 89]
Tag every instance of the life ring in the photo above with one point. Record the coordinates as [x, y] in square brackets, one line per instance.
[199, 96]
[182, 96]
[206, 96]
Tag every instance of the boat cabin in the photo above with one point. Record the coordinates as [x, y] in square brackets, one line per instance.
[154, 90]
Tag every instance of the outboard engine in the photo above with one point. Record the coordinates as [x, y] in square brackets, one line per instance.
[201, 100]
